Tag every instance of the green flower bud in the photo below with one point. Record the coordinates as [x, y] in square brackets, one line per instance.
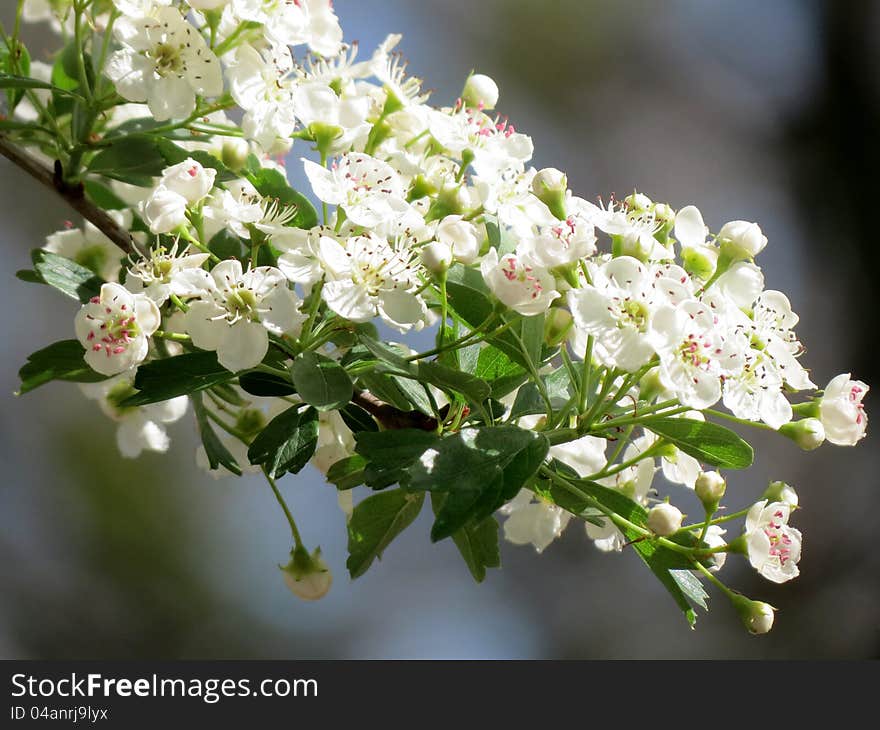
[710, 487]
[808, 433]
[307, 576]
[781, 492]
[550, 186]
[756, 616]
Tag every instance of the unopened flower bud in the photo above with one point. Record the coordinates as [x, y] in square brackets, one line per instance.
[664, 519]
[189, 179]
[808, 433]
[461, 237]
[741, 240]
[638, 202]
[437, 256]
[480, 91]
[781, 492]
[307, 576]
[756, 616]
[710, 487]
[550, 186]
[164, 210]
[557, 325]
[234, 153]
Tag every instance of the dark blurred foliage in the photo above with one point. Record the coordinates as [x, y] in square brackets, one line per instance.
[765, 111]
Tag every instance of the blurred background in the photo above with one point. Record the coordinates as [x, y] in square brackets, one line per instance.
[755, 110]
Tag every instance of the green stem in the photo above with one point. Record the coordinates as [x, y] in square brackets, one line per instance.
[743, 421]
[293, 528]
[586, 375]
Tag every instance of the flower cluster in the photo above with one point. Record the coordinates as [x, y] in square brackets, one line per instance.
[611, 332]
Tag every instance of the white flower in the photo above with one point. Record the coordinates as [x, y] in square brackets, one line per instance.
[585, 455]
[311, 22]
[664, 519]
[236, 310]
[114, 328]
[617, 310]
[520, 284]
[695, 351]
[189, 179]
[368, 190]
[755, 393]
[335, 441]
[165, 62]
[715, 539]
[772, 327]
[367, 277]
[841, 410]
[90, 248]
[741, 240]
[234, 207]
[460, 236]
[156, 276]
[533, 520]
[259, 83]
[140, 428]
[566, 242]
[774, 548]
[480, 91]
[164, 210]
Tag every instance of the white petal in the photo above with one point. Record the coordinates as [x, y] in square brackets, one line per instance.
[244, 345]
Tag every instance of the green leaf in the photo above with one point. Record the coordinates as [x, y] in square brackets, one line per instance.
[272, 184]
[375, 522]
[321, 382]
[473, 388]
[477, 542]
[472, 466]
[287, 442]
[9, 64]
[357, 419]
[667, 565]
[502, 374]
[390, 453]
[135, 160]
[192, 372]
[225, 244]
[706, 442]
[469, 295]
[347, 473]
[218, 455]
[66, 276]
[265, 385]
[59, 361]
[103, 197]
[531, 332]
[11, 81]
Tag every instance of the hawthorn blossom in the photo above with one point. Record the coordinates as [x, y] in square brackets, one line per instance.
[617, 310]
[156, 275]
[141, 428]
[114, 327]
[366, 277]
[774, 548]
[234, 311]
[841, 411]
[189, 179]
[695, 351]
[368, 190]
[90, 248]
[519, 283]
[533, 520]
[165, 62]
[310, 22]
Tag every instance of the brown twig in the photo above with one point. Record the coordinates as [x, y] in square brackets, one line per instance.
[390, 417]
[73, 194]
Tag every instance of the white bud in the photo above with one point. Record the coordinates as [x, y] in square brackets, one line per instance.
[480, 91]
[664, 519]
[549, 186]
[756, 616]
[639, 201]
[710, 486]
[742, 240]
[461, 237]
[808, 433]
[307, 576]
[235, 152]
[781, 492]
[164, 210]
[189, 179]
[436, 256]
